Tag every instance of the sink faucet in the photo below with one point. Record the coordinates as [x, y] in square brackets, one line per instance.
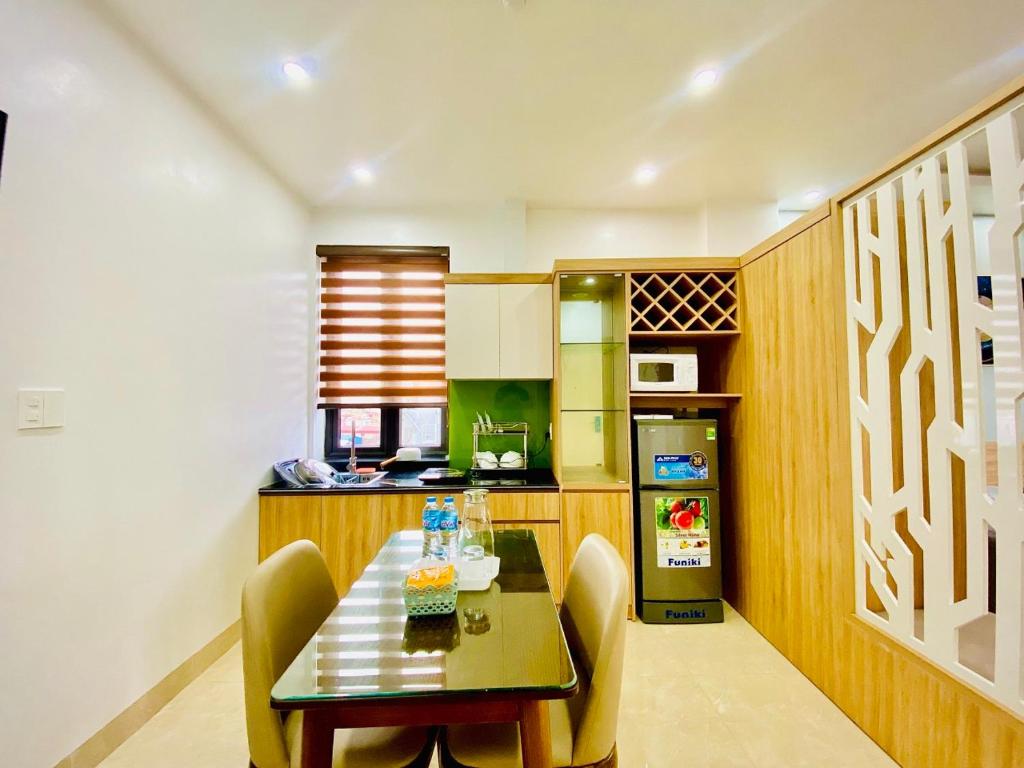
[352, 460]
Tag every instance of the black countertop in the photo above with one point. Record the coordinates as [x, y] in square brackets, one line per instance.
[527, 480]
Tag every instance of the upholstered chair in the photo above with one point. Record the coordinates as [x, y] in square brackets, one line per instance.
[582, 727]
[284, 602]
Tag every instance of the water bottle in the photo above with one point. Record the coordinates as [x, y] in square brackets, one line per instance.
[431, 528]
[449, 529]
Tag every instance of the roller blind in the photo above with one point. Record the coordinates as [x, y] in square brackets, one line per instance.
[382, 326]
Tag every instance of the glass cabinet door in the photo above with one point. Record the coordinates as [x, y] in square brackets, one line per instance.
[592, 378]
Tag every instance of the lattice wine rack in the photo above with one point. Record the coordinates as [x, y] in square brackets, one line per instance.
[683, 302]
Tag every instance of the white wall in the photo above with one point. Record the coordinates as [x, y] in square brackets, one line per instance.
[731, 229]
[156, 273]
[482, 238]
[597, 234]
[509, 237]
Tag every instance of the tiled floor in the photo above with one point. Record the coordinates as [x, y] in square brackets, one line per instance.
[714, 696]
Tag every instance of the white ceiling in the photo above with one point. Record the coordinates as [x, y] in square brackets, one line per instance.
[556, 102]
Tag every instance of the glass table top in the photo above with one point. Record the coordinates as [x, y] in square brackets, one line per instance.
[506, 639]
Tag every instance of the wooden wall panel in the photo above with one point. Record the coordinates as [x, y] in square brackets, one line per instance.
[790, 569]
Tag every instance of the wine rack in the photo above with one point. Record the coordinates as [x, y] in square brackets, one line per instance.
[703, 303]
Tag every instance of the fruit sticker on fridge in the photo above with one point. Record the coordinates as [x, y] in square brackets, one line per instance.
[683, 531]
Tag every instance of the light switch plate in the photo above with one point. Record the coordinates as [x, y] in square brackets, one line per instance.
[40, 408]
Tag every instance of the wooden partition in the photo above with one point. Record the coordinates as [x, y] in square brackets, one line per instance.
[790, 572]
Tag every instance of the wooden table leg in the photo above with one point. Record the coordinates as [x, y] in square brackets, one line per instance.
[317, 741]
[535, 734]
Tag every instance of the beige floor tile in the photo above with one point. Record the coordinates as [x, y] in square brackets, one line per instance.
[703, 696]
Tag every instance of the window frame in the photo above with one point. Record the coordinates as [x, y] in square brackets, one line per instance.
[390, 428]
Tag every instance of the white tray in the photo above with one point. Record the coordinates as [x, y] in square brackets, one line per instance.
[477, 575]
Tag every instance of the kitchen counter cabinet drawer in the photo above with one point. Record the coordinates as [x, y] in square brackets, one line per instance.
[518, 507]
[284, 519]
[549, 542]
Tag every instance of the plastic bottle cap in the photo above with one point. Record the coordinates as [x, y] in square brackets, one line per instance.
[449, 498]
[431, 498]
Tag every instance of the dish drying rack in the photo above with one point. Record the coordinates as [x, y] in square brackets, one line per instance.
[499, 429]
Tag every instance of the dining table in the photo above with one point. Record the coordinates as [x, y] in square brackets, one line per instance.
[498, 658]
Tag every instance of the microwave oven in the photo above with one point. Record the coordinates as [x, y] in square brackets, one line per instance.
[673, 372]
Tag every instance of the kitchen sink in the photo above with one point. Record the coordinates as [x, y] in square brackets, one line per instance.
[354, 478]
[286, 470]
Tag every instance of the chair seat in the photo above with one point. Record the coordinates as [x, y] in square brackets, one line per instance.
[368, 747]
[498, 745]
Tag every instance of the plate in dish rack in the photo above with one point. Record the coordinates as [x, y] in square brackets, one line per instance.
[477, 575]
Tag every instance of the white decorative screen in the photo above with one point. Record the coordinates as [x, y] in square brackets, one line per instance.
[933, 283]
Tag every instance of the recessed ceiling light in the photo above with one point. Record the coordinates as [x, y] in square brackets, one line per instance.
[705, 78]
[589, 280]
[645, 174]
[363, 174]
[813, 195]
[297, 71]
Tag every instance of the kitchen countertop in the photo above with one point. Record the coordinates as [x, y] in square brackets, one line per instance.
[531, 480]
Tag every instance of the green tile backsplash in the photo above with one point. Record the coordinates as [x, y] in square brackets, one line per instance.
[528, 401]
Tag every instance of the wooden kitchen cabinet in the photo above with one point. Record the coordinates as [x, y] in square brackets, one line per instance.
[351, 535]
[606, 513]
[350, 528]
[539, 512]
[549, 542]
[284, 519]
[520, 507]
[498, 331]
[404, 511]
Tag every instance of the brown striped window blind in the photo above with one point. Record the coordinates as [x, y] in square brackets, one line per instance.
[382, 326]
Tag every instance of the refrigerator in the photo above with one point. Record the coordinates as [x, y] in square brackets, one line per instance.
[676, 521]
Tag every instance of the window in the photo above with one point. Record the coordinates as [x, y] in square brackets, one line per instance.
[380, 432]
[382, 349]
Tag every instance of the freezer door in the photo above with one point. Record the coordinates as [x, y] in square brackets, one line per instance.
[681, 453]
[680, 550]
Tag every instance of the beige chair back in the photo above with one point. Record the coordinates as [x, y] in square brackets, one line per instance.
[594, 618]
[284, 602]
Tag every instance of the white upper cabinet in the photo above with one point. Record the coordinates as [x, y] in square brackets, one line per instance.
[524, 351]
[471, 331]
[498, 331]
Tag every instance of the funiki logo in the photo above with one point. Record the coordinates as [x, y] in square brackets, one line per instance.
[693, 613]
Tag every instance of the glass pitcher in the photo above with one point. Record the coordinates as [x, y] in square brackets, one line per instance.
[476, 537]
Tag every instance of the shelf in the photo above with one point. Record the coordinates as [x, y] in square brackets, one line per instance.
[591, 343]
[592, 410]
[683, 399]
[591, 478]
